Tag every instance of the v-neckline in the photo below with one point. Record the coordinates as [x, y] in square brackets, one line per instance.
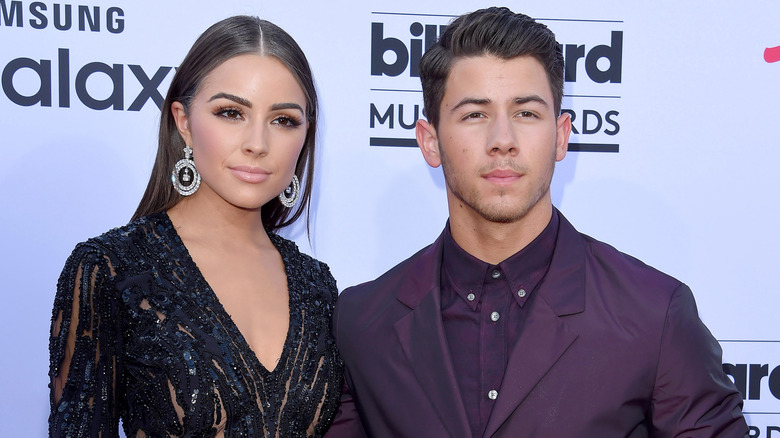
[223, 313]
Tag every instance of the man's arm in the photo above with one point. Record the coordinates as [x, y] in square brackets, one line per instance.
[347, 422]
[693, 397]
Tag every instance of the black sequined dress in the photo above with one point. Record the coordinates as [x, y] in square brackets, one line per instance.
[155, 348]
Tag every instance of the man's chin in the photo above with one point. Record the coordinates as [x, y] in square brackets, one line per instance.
[503, 216]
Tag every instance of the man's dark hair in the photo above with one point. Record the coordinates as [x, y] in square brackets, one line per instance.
[493, 31]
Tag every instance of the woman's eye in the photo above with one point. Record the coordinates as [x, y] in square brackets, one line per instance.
[229, 113]
[287, 121]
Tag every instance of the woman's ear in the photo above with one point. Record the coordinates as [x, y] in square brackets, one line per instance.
[182, 122]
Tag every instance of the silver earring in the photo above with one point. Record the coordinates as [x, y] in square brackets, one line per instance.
[290, 194]
[185, 176]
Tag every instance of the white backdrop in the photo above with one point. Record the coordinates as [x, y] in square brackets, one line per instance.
[682, 91]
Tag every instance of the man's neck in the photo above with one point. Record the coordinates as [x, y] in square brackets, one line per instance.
[494, 242]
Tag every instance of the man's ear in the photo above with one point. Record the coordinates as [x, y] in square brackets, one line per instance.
[562, 138]
[182, 122]
[428, 142]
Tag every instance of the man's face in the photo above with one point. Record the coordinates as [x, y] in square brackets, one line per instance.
[497, 139]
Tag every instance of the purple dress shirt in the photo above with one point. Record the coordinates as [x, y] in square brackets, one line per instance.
[482, 309]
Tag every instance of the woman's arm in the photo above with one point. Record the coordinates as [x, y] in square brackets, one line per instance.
[84, 347]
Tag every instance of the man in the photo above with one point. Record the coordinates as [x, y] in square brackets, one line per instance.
[513, 324]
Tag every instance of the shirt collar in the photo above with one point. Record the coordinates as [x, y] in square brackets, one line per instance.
[524, 270]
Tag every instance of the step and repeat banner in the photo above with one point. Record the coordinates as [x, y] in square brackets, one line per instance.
[673, 157]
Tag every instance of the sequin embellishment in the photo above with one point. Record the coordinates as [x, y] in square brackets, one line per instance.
[154, 347]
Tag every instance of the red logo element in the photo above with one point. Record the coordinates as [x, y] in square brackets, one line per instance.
[772, 54]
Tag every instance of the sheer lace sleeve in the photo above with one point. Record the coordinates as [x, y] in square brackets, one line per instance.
[138, 336]
[84, 347]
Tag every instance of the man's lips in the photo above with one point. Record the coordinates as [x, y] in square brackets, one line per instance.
[502, 176]
[249, 174]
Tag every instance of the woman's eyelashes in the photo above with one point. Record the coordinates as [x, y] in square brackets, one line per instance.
[287, 121]
[231, 113]
[234, 113]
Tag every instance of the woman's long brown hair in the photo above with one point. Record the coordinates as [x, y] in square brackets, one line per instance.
[224, 40]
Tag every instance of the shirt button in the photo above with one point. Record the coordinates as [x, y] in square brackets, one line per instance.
[492, 394]
[496, 273]
[521, 293]
[494, 316]
[470, 297]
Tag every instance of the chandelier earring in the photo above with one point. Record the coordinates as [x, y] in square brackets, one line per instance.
[185, 176]
[290, 193]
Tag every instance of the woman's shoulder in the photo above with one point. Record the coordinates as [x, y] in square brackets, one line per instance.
[117, 242]
[303, 268]
[290, 252]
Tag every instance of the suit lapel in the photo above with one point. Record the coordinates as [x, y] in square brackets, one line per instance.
[421, 335]
[544, 337]
[542, 341]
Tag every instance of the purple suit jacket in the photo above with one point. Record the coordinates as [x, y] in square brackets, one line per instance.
[609, 347]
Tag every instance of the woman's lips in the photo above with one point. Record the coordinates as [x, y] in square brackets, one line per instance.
[249, 174]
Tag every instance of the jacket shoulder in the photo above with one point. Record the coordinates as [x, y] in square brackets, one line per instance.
[604, 257]
[387, 283]
[374, 298]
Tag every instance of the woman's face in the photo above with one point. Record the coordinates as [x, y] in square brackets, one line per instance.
[246, 127]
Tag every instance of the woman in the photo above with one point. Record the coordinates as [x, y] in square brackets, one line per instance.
[195, 319]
